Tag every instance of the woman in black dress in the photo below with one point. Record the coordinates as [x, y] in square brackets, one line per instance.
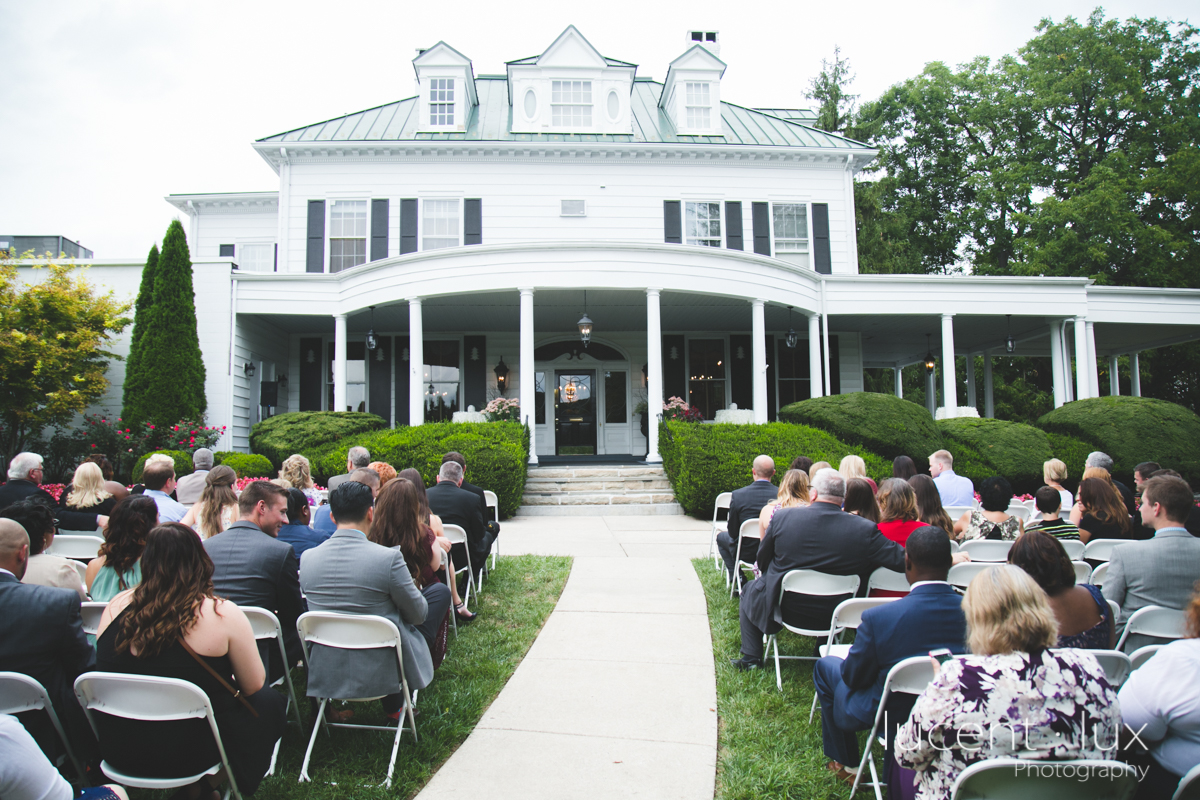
[144, 631]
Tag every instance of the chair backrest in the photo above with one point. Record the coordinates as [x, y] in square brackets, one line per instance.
[1083, 571]
[1156, 621]
[888, 580]
[347, 631]
[19, 692]
[454, 533]
[1100, 549]
[849, 613]
[909, 676]
[988, 549]
[723, 500]
[1098, 574]
[1116, 664]
[1189, 785]
[91, 612]
[1038, 780]
[1074, 548]
[961, 575]
[955, 547]
[956, 511]
[1020, 510]
[821, 584]
[81, 568]
[751, 529]
[492, 502]
[1064, 514]
[71, 546]
[1115, 608]
[141, 697]
[264, 624]
[1143, 654]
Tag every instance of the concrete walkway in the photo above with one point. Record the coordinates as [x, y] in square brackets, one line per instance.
[617, 696]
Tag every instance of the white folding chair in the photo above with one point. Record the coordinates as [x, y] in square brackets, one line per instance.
[961, 575]
[887, 580]
[91, 612]
[1090, 779]
[20, 693]
[457, 535]
[1115, 608]
[750, 529]
[70, 546]
[1189, 785]
[1116, 664]
[81, 568]
[1143, 654]
[910, 676]
[1074, 548]
[1100, 549]
[816, 584]
[955, 547]
[993, 550]
[955, 512]
[493, 503]
[1098, 574]
[1156, 621]
[354, 632]
[718, 526]
[1083, 571]
[266, 626]
[847, 616]
[149, 698]
[1019, 510]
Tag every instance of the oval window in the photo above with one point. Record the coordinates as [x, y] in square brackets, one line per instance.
[530, 104]
[614, 105]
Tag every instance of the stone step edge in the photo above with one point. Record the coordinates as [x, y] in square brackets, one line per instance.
[630, 510]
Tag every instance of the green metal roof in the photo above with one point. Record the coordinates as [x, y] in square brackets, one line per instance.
[791, 114]
[491, 121]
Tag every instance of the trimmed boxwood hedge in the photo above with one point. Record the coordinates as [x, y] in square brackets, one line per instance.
[1072, 452]
[882, 423]
[183, 463]
[1132, 430]
[702, 461]
[986, 447]
[496, 454]
[246, 465]
[303, 431]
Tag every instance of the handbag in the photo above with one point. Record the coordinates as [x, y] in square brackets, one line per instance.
[235, 692]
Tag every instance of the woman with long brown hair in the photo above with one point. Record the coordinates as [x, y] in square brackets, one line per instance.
[929, 504]
[118, 565]
[1102, 513]
[898, 514]
[217, 507]
[172, 625]
[434, 523]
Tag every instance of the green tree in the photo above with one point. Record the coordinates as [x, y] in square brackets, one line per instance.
[53, 335]
[173, 369]
[829, 89]
[135, 383]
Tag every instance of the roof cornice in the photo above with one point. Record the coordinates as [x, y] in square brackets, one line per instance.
[225, 203]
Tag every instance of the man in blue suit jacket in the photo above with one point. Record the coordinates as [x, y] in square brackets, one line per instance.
[930, 617]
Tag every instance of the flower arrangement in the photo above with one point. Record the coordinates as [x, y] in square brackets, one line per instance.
[55, 489]
[502, 409]
[676, 408]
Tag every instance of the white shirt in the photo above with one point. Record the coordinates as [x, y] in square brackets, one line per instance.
[1155, 696]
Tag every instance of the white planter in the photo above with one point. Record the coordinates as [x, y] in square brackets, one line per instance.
[735, 416]
[955, 413]
[469, 416]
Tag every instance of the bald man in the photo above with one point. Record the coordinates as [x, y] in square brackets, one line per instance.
[41, 635]
[746, 504]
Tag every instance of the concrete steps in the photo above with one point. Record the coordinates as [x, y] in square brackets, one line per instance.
[597, 491]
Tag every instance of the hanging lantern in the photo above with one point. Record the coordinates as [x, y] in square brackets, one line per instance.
[570, 391]
[792, 338]
[585, 323]
[1010, 344]
[501, 371]
[930, 362]
[372, 342]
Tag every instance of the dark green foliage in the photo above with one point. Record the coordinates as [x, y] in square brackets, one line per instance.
[986, 447]
[173, 369]
[702, 461]
[183, 463]
[135, 378]
[1072, 452]
[496, 454]
[305, 431]
[246, 465]
[881, 423]
[1132, 430]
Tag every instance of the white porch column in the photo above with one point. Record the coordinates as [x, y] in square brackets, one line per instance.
[1093, 364]
[827, 386]
[949, 379]
[1135, 376]
[758, 337]
[989, 398]
[1082, 382]
[1114, 377]
[1068, 381]
[814, 356]
[972, 398]
[654, 381]
[339, 362]
[931, 392]
[1056, 362]
[898, 377]
[528, 372]
[416, 363]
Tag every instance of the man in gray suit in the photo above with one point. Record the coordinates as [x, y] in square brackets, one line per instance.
[189, 487]
[351, 575]
[356, 458]
[1159, 571]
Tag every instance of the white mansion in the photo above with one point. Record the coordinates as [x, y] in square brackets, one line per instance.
[436, 252]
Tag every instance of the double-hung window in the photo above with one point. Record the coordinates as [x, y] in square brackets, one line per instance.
[699, 107]
[347, 234]
[256, 257]
[440, 224]
[441, 101]
[702, 224]
[790, 221]
[571, 104]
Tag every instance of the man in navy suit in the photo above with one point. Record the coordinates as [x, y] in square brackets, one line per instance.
[929, 618]
[747, 503]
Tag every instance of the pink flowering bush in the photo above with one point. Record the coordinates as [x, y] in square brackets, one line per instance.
[503, 409]
[675, 408]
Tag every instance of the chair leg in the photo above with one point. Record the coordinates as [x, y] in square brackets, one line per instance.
[274, 757]
[778, 672]
[318, 723]
[812, 711]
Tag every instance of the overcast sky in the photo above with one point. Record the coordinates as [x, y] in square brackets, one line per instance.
[110, 106]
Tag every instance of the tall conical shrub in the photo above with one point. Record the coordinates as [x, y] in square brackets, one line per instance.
[135, 383]
[170, 347]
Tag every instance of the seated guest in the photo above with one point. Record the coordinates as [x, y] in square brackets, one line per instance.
[991, 520]
[746, 503]
[1084, 618]
[854, 467]
[929, 618]
[898, 514]
[297, 533]
[1100, 512]
[43, 569]
[41, 635]
[1054, 472]
[1166, 710]
[384, 470]
[819, 537]
[860, 499]
[159, 479]
[352, 575]
[253, 568]
[1142, 473]
[24, 482]
[929, 503]
[815, 468]
[189, 487]
[322, 523]
[1048, 502]
[903, 468]
[117, 490]
[793, 492]
[217, 507]
[954, 489]
[356, 458]
[1159, 571]
[118, 566]
[1105, 462]
[489, 525]
[174, 626]
[1059, 700]
[154, 458]
[88, 493]
[1192, 523]
[26, 773]
[434, 523]
[802, 463]
[457, 506]
[298, 473]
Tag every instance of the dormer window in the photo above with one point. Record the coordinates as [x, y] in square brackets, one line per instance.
[571, 104]
[699, 106]
[441, 101]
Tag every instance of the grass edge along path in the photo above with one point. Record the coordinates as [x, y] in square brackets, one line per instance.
[766, 746]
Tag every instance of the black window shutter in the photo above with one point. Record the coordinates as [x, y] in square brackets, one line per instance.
[276, 264]
[821, 260]
[733, 226]
[408, 225]
[227, 251]
[473, 221]
[672, 222]
[762, 228]
[315, 259]
[379, 229]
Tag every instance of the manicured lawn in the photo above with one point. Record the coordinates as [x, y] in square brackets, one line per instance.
[515, 603]
[766, 746]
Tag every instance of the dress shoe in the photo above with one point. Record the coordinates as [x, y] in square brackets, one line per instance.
[742, 664]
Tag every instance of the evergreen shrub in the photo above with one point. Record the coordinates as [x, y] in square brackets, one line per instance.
[246, 465]
[304, 431]
[183, 463]
[701, 461]
[986, 447]
[882, 423]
